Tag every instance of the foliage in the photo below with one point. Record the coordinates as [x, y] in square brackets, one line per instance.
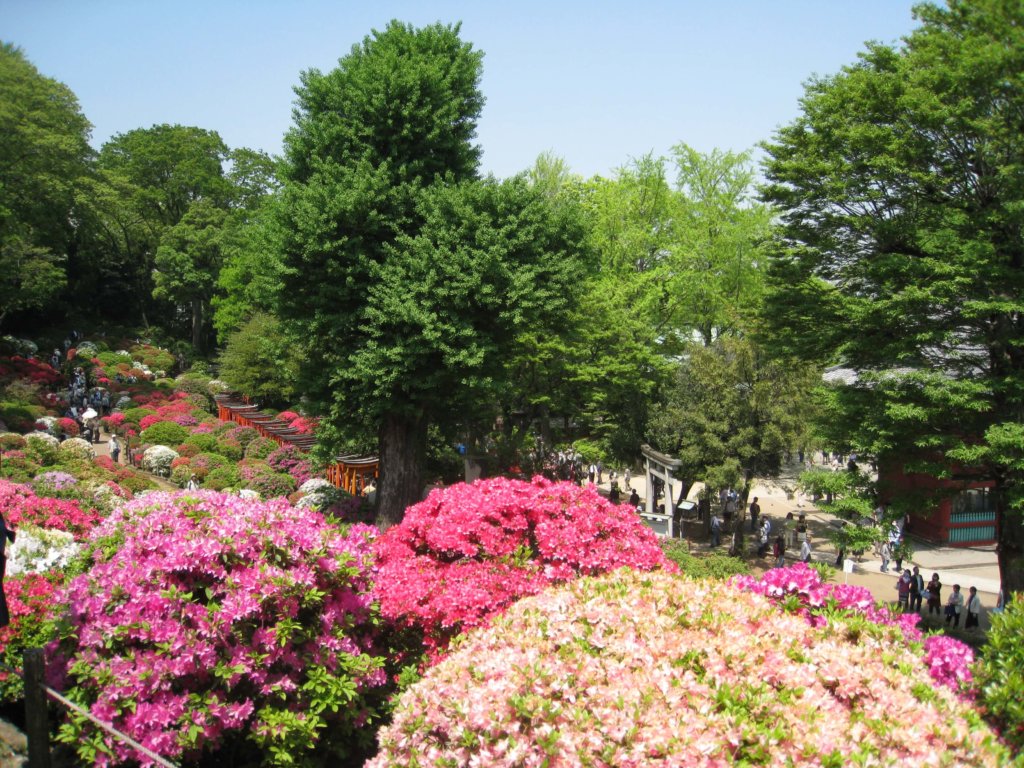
[583, 674]
[1000, 672]
[899, 189]
[732, 413]
[261, 360]
[207, 620]
[709, 566]
[165, 433]
[467, 552]
[43, 151]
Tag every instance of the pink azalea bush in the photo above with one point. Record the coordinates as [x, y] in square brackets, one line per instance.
[653, 669]
[20, 505]
[33, 606]
[208, 620]
[467, 552]
[802, 589]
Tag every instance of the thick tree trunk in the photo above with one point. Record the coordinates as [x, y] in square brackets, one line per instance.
[402, 451]
[1010, 547]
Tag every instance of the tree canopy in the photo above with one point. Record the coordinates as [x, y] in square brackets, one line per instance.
[901, 251]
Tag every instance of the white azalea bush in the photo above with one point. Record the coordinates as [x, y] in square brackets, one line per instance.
[76, 448]
[157, 459]
[39, 550]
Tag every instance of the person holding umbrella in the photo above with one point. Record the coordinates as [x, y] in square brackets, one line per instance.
[91, 420]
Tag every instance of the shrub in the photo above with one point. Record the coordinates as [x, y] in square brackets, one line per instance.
[39, 550]
[646, 669]
[800, 589]
[75, 448]
[1000, 673]
[205, 442]
[9, 441]
[229, 447]
[165, 433]
[207, 620]
[157, 459]
[260, 448]
[290, 459]
[467, 552]
[17, 467]
[243, 436]
[136, 415]
[19, 416]
[41, 448]
[34, 608]
[222, 477]
[21, 506]
[712, 566]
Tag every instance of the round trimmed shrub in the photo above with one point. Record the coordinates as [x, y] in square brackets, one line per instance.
[652, 669]
[229, 447]
[165, 433]
[76, 447]
[11, 441]
[157, 459]
[260, 448]
[205, 442]
[41, 448]
[208, 621]
[467, 552]
[225, 476]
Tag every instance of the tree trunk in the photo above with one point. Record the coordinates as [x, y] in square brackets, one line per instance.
[402, 452]
[197, 325]
[1010, 546]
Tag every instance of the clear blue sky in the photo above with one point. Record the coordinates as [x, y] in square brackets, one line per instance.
[595, 82]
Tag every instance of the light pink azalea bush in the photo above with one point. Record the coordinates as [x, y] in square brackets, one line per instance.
[800, 588]
[206, 619]
[653, 669]
[467, 552]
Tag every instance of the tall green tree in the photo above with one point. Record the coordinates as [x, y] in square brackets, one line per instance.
[406, 277]
[44, 152]
[901, 190]
[732, 412]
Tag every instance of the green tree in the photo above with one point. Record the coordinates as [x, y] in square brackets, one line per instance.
[44, 152]
[260, 360]
[732, 413]
[900, 188]
[188, 262]
[407, 280]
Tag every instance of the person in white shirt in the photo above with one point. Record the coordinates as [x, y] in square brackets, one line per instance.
[973, 608]
[805, 550]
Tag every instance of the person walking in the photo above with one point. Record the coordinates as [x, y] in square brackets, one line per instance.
[916, 589]
[716, 529]
[779, 550]
[115, 448]
[903, 587]
[766, 528]
[934, 590]
[886, 553]
[954, 605]
[805, 550]
[755, 512]
[973, 609]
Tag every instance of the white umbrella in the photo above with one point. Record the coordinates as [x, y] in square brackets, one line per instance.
[89, 414]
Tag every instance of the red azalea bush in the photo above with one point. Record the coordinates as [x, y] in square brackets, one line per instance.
[36, 371]
[68, 426]
[19, 505]
[467, 552]
[34, 607]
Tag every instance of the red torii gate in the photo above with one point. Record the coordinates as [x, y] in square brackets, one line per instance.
[351, 473]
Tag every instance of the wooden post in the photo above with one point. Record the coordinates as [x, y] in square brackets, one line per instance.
[37, 726]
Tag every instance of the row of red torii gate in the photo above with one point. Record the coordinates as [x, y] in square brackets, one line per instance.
[350, 473]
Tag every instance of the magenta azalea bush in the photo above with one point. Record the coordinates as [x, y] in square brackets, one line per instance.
[208, 620]
[653, 669]
[801, 588]
[467, 552]
[20, 505]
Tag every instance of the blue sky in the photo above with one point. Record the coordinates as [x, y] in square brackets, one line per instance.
[597, 83]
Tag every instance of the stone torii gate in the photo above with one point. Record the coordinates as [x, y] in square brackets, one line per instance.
[660, 466]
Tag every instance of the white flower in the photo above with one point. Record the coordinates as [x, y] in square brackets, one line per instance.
[157, 459]
[76, 446]
[43, 437]
[38, 550]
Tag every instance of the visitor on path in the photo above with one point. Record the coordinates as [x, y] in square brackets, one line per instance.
[613, 494]
[916, 589]
[626, 477]
[903, 587]
[934, 590]
[897, 553]
[634, 500]
[886, 553]
[766, 529]
[6, 534]
[115, 448]
[755, 512]
[954, 605]
[193, 483]
[716, 530]
[779, 550]
[805, 550]
[973, 609]
[592, 472]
